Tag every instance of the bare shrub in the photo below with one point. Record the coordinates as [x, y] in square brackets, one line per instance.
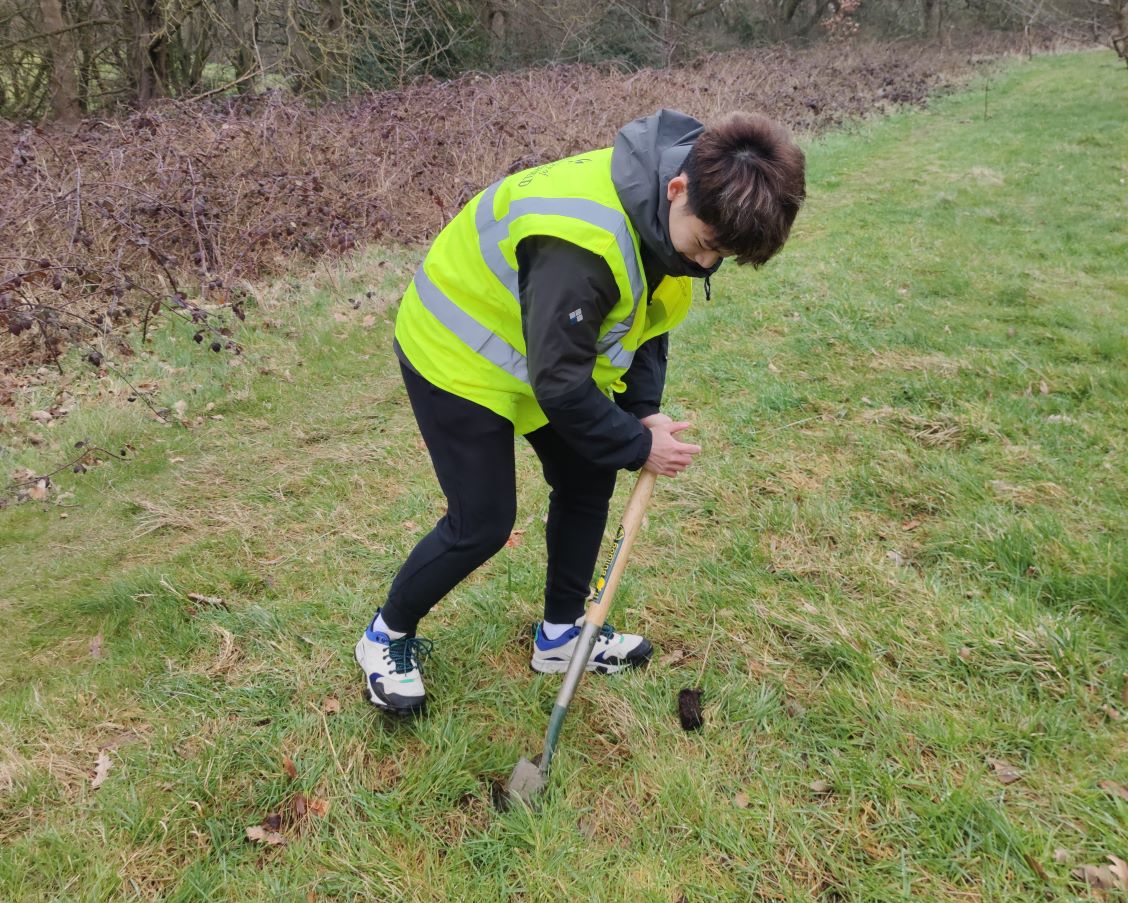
[179, 207]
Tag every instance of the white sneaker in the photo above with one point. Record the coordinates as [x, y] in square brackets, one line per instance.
[393, 671]
[613, 651]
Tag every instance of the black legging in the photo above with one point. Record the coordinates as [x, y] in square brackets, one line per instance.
[472, 451]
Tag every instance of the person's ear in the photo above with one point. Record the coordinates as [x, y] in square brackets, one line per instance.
[676, 186]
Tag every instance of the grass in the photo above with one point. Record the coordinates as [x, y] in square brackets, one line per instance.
[904, 554]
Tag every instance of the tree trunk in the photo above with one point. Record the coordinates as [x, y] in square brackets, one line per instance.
[932, 15]
[65, 105]
[152, 53]
[245, 15]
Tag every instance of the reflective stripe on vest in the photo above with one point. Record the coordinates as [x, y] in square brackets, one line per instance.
[477, 337]
[491, 233]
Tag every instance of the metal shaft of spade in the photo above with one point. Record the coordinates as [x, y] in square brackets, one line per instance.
[596, 614]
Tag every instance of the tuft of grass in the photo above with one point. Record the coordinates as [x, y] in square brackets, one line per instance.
[901, 556]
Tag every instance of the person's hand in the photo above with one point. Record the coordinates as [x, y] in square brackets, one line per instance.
[652, 420]
[669, 456]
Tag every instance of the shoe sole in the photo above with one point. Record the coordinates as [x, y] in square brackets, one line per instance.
[372, 695]
[636, 659]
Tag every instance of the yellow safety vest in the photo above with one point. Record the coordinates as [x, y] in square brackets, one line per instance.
[459, 323]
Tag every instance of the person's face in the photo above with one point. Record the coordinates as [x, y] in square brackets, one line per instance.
[690, 237]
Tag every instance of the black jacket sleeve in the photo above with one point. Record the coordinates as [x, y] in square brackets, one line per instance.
[566, 293]
[646, 378]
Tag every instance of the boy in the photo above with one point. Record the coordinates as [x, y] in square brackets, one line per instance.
[542, 310]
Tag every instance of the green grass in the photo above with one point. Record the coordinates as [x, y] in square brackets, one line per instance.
[935, 367]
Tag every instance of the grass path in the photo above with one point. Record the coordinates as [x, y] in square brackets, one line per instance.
[900, 575]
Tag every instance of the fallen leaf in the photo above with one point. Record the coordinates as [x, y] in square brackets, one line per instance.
[671, 658]
[175, 460]
[911, 524]
[410, 526]
[514, 539]
[1104, 877]
[368, 322]
[1112, 712]
[259, 834]
[40, 416]
[300, 806]
[821, 787]
[101, 770]
[96, 647]
[1061, 855]
[318, 807]
[180, 408]
[290, 768]
[23, 475]
[1114, 789]
[964, 653]
[740, 801]
[331, 705]
[1044, 387]
[38, 492]
[1035, 866]
[896, 557]
[273, 821]
[1004, 771]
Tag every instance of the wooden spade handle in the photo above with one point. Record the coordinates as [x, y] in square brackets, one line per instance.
[608, 582]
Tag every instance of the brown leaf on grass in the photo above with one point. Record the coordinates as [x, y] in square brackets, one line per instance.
[740, 801]
[318, 806]
[1104, 877]
[331, 705]
[101, 770]
[39, 492]
[514, 539]
[1112, 711]
[410, 526]
[290, 768]
[96, 647]
[821, 787]
[1114, 789]
[259, 834]
[1004, 771]
[671, 658]
[1035, 866]
[1061, 855]
[964, 653]
[301, 807]
[910, 525]
[273, 822]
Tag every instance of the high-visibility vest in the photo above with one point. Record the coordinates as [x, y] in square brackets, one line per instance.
[459, 323]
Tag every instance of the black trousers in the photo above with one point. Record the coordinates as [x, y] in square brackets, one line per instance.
[472, 450]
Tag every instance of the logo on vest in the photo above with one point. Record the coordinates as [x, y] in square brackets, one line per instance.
[576, 316]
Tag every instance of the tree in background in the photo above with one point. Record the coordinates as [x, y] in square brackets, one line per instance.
[62, 59]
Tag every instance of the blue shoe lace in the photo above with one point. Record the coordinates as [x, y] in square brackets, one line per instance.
[407, 653]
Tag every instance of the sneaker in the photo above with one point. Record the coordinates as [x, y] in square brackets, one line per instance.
[394, 671]
[613, 651]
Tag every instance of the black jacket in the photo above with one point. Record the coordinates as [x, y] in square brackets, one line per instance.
[556, 279]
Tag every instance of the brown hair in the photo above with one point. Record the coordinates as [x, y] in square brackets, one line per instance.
[746, 182]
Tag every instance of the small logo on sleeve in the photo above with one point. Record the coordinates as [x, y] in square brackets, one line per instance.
[576, 316]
